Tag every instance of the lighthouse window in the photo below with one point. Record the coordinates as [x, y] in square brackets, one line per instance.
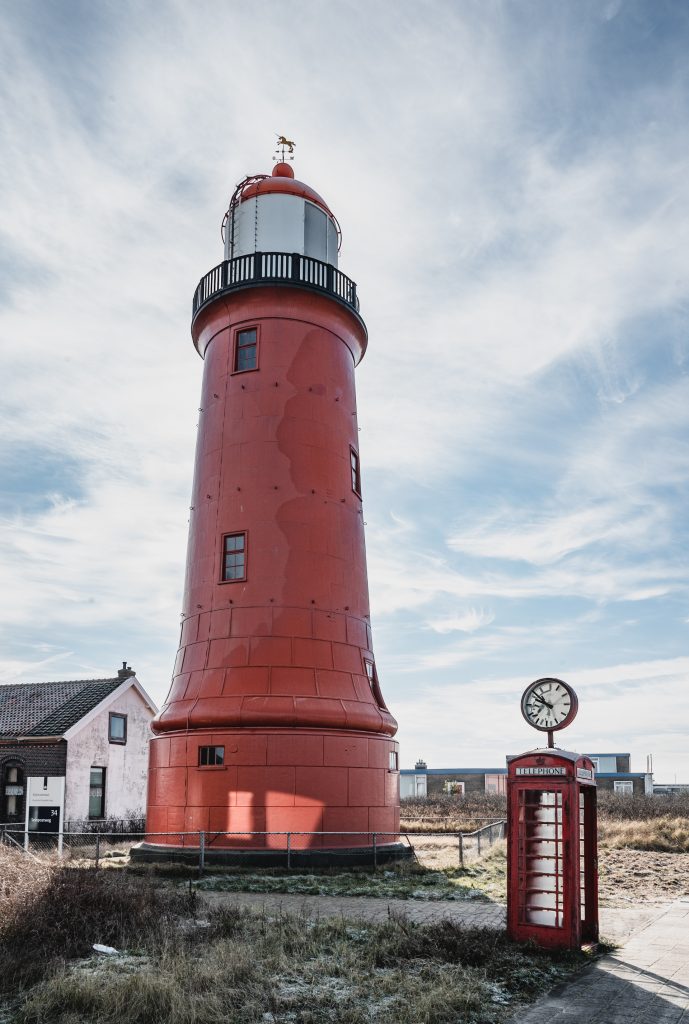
[356, 475]
[315, 232]
[373, 683]
[234, 556]
[246, 351]
[211, 756]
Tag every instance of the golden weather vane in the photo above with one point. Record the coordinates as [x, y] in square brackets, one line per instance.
[284, 146]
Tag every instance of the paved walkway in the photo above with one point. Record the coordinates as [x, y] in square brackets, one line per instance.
[617, 925]
[645, 982]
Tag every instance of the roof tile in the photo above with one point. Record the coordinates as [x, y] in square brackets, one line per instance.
[49, 709]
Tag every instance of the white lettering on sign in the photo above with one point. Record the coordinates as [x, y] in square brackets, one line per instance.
[14, 791]
[584, 773]
[541, 771]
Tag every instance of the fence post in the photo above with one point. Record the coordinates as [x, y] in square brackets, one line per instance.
[460, 844]
[202, 852]
[97, 849]
[289, 850]
[478, 842]
[375, 850]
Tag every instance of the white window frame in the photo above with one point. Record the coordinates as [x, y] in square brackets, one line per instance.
[625, 786]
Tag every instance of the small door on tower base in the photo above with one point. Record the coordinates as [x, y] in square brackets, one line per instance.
[552, 871]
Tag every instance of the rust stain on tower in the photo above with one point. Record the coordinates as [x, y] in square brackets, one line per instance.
[275, 721]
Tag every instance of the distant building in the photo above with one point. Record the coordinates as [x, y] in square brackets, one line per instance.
[78, 747]
[612, 773]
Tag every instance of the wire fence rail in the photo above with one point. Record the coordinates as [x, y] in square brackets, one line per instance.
[287, 848]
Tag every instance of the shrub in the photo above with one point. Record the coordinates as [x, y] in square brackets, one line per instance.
[54, 912]
[620, 807]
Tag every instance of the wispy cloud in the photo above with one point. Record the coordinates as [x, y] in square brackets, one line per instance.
[519, 232]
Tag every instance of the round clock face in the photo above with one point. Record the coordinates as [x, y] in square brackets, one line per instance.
[549, 704]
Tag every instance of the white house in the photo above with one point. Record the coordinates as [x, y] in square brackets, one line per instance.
[80, 747]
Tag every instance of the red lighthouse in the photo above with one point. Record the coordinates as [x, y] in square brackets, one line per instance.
[275, 721]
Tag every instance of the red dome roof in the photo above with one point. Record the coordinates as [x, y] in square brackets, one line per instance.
[282, 180]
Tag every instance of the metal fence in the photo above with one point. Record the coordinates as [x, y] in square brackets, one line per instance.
[284, 849]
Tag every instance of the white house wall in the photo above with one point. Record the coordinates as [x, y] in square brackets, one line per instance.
[126, 765]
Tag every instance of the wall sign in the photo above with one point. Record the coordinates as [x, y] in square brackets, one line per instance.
[541, 771]
[45, 801]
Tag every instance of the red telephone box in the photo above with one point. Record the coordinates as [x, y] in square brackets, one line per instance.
[552, 867]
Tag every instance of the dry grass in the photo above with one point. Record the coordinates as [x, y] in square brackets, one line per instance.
[183, 964]
[633, 822]
[246, 968]
[50, 913]
[668, 835]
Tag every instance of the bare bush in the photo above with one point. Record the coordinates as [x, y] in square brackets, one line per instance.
[623, 807]
[52, 912]
[451, 813]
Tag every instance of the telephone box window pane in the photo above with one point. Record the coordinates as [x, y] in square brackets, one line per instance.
[234, 557]
[246, 351]
[393, 761]
[356, 476]
[97, 793]
[209, 756]
[540, 861]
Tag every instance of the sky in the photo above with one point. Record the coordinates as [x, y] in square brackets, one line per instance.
[512, 182]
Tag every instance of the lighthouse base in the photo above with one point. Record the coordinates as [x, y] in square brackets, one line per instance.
[345, 857]
[317, 791]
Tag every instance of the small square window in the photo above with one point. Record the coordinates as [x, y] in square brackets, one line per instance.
[356, 475]
[246, 351]
[117, 728]
[234, 557]
[209, 756]
[392, 765]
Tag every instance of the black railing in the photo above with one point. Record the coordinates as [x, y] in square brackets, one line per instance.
[275, 268]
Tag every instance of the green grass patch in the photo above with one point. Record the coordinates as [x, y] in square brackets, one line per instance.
[483, 879]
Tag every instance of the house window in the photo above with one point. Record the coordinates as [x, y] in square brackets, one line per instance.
[246, 351]
[97, 793]
[596, 763]
[453, 788]
[420, 785]
[356, 475]
[374, 684]
[117, 728]
[12, 797]
[209, 756]
[234, 557]
[392, 764]
[623, 787]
